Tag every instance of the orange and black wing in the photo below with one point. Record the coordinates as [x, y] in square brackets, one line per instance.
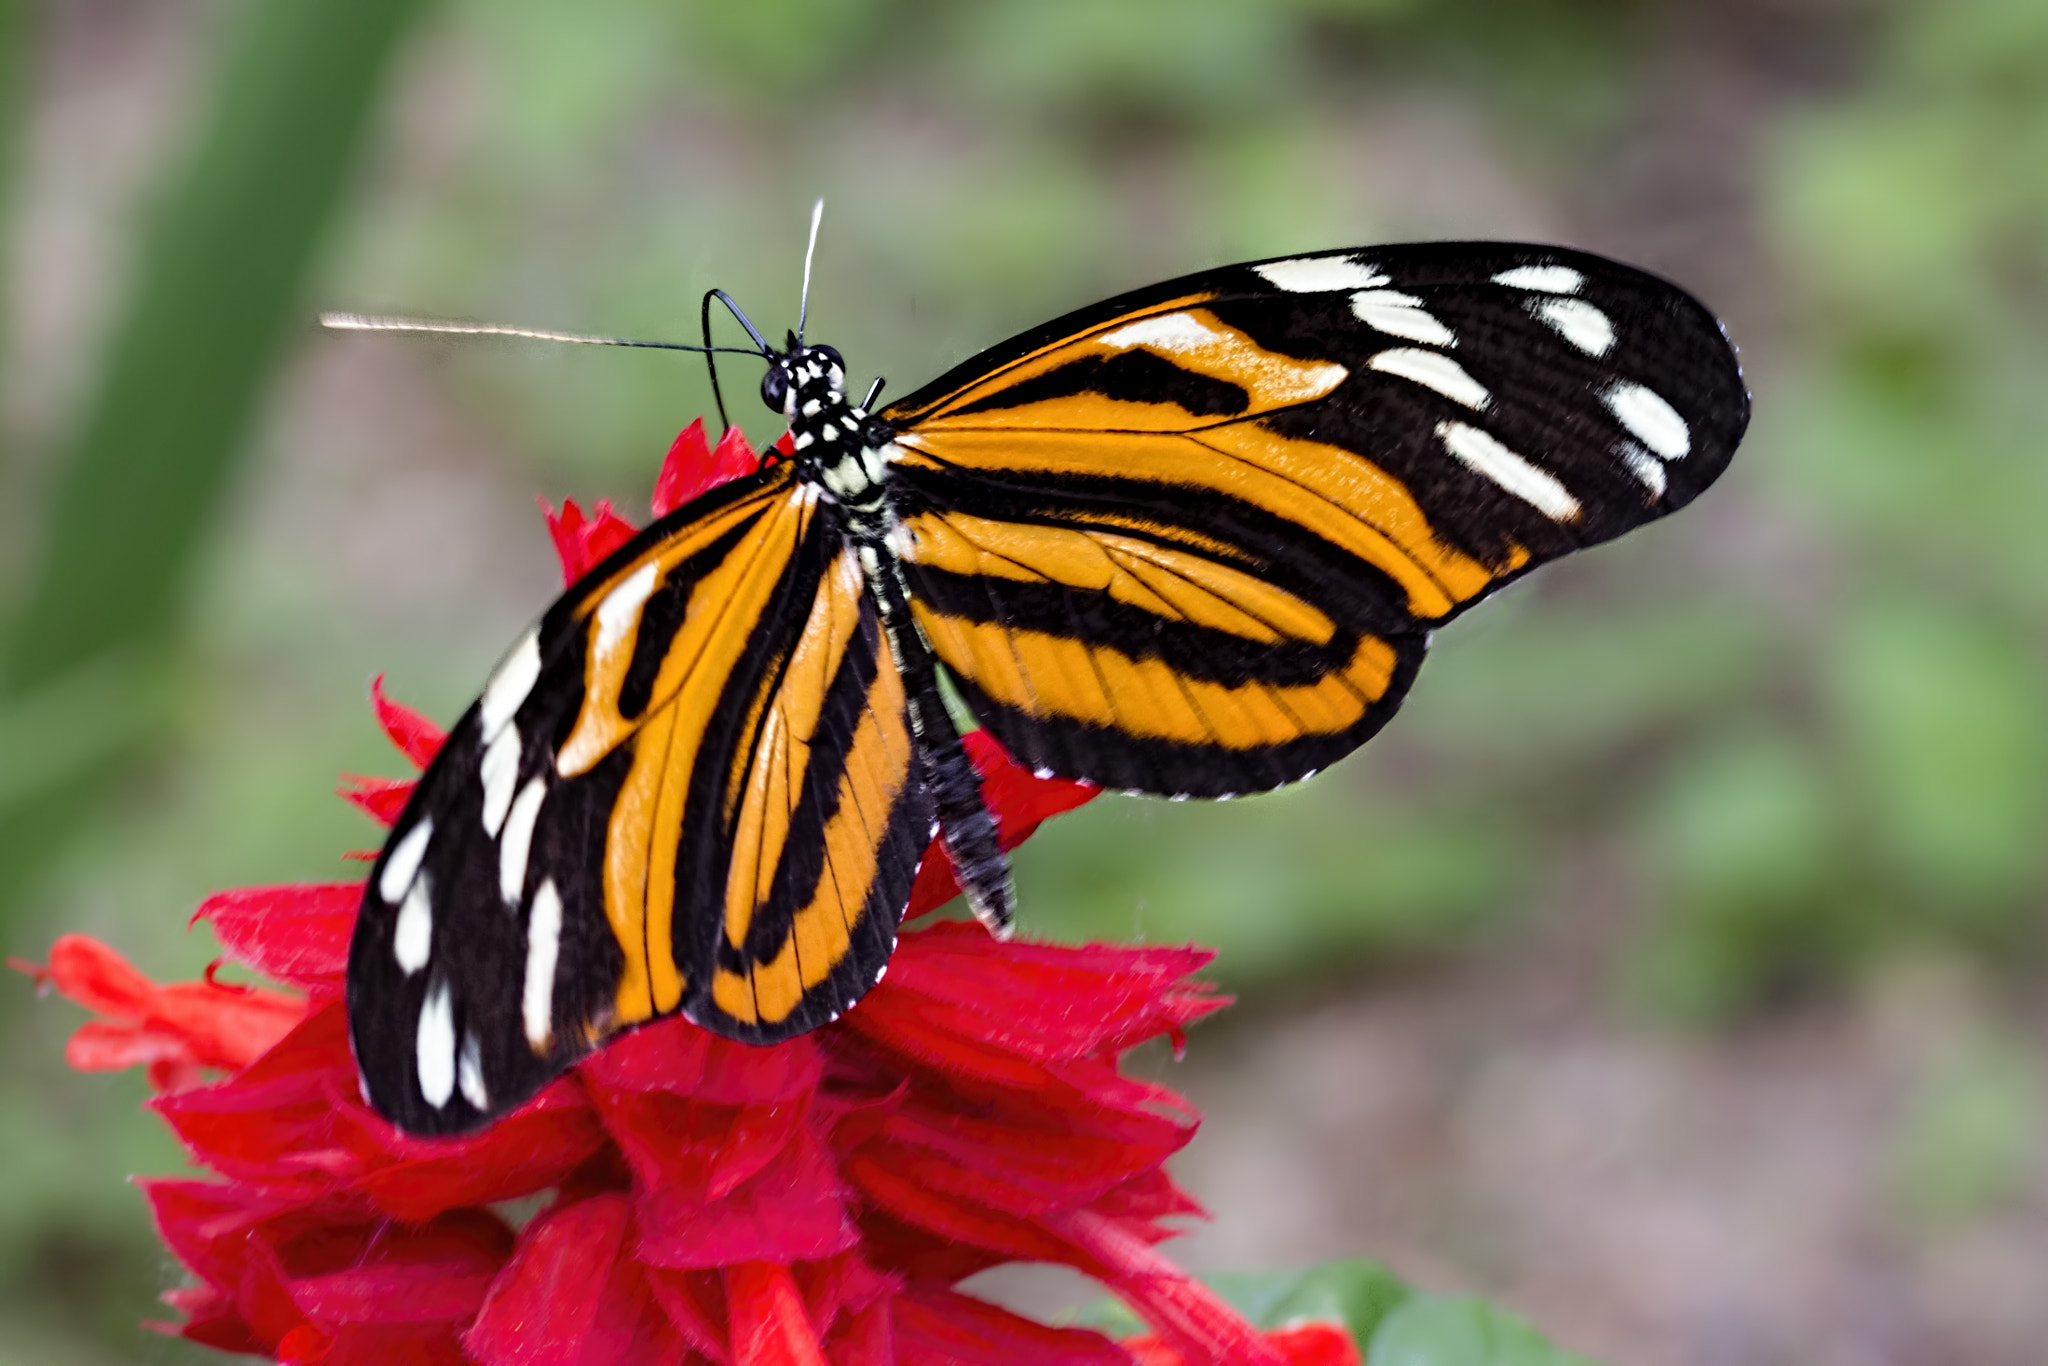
[691, 787]
[1192, 540]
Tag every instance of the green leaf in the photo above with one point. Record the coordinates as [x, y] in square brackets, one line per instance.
[1435, 1330]
[1392, 1324]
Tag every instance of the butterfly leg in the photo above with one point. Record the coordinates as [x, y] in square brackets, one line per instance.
[964, 820]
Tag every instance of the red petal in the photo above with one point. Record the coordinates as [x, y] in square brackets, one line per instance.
[210, 1320]
[942, 1328]
[294, 1121]
[189, 1022]
[676, 1056]
[1019, 801]
[433, 1273]
[1189, 1315]
[573, 1296]
[956, 1000]
[98, 978]
[382, 799]
[582, 544]
[1316, 1344]
[793, 1209]
[770, 1326]
[416, 737]
[693, 469]
[1310, 1344]
[688, 460]
[102, 1047]
[1025, 1160]
[784, 445]
[297, 934]
[864, 1337]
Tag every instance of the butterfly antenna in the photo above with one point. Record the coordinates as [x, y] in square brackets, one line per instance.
[764, 350]
[362, 322]
[803, 306]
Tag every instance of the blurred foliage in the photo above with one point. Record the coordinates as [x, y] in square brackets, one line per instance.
[1798, 730]
[1392, 1324]
[213, 294]
[1971, 1130]
[1898, 792]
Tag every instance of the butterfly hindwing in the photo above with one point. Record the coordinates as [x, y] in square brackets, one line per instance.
[1193, 540]
[688, 788]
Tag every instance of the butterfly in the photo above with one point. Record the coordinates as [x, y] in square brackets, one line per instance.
[1191, 541]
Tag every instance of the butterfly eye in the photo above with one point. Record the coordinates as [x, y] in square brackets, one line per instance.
[829, 356]
[775, 387]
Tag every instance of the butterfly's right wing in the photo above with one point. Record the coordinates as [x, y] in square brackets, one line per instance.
[691, 787]
[1193, 540]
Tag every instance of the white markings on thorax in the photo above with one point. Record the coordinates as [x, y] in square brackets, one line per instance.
[518, 839]
[858, 473]
[1483, 454]
[1319, 274]
[434, 1046]
[509, 685]
[1433, 371]
[543, 948]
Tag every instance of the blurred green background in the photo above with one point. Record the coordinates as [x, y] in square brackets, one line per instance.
[1670, 969]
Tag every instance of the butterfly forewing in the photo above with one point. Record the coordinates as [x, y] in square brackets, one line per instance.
[688, 788]
[1192, 541]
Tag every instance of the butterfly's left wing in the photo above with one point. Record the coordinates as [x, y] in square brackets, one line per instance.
[691, 787]
[1193, 540]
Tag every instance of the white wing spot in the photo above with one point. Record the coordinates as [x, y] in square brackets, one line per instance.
[1319, 274]
[510, 683]
[1400, 315]
[1433, 371]
[518, 839]
[1578, 322]
[469, 1071]
[620, 610]
[543, 947]
[1542, 279]
[1167, 332]
[1655, 423]
[1643, 466]
[412, 939]
[434, 1055]
[1479, 452]
[500, 773]
[403, 862]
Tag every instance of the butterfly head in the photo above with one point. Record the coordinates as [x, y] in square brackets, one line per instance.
[802, 375]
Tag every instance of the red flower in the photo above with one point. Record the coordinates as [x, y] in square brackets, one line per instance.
[679, 1197]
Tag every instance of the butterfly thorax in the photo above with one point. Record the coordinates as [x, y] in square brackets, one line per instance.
[838, 446]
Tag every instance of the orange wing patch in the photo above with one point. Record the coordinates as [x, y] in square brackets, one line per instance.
[1327, 491]
[1047, 676]
[875, 770]
[1192, 340]
[644, 828]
